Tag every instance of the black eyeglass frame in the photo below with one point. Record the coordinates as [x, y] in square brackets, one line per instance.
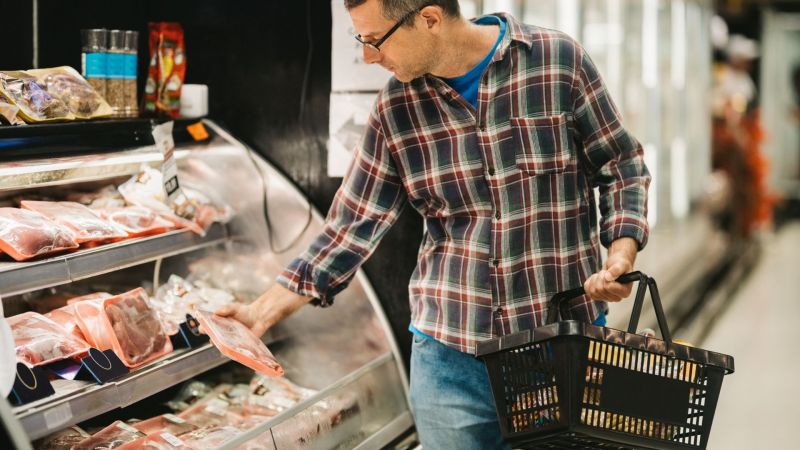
[377, 45]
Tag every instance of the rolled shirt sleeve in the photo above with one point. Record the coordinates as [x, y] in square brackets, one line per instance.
[613, 157]
[366, 205]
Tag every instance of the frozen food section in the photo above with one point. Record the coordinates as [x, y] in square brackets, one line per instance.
[344, 385]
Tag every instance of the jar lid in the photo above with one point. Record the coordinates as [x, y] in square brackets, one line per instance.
[116, 39]
[132, 40]
[94, 38]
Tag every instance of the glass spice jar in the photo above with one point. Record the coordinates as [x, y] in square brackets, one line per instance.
[93, 58]
[115, 86]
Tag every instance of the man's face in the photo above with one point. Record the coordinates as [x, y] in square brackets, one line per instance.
[404, 53]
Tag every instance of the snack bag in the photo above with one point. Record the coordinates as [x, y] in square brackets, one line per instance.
[237, 342]
[126, 324]
[85, 225]
[34, 102]
[28, 234]
[137, 221]
[112, 436]
[40, 341]
[162, 91]
[67, 85]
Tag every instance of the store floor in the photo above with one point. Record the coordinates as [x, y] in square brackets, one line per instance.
[758, 407]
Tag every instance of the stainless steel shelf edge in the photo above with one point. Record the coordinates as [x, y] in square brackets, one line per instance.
[388, 433]
[53, 413]
[20, 277]
[305, 404]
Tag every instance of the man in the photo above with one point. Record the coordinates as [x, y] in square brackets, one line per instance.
[497, 133]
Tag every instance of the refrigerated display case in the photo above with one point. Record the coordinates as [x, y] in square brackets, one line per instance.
[346, 354]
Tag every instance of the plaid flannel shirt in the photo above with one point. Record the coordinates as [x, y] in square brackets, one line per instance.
[506, 191]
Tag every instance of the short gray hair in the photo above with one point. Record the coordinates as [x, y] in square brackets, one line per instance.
[396, 9]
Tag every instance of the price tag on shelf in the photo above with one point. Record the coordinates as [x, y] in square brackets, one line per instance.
[189, 334]
[101, 366]
[30, 384]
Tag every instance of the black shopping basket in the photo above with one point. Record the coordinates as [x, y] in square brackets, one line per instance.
[572, 385]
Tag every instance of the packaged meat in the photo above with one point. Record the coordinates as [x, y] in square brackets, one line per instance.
[276, 393]
[191, 392]
[28, 234]
[62, 440]
[85, 225]
[169, 423]
[92, 296]
[112, 436]
[34, 102]
[107, 197]
[237, 342]
[39, 340]
[65, 317]
[157, 441]
[210, 438]
[126, 324]
[147, 189]
[137, 221]
[178, 297]
[213, 413]
[67, 85]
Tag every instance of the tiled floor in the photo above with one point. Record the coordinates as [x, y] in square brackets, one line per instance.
[759, 407]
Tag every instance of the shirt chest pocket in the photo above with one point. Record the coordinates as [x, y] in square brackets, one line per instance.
[543, 144]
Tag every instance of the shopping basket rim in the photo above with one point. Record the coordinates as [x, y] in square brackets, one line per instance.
[605, 334]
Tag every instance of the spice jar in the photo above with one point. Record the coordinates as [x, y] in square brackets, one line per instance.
[131, 52]
[93, 58]
[115, 86]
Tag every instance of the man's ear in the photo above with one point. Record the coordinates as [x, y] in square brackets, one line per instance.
[433, 17]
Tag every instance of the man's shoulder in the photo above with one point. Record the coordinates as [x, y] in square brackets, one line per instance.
[541, 35]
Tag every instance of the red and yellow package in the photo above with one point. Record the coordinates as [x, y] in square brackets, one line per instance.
[237, 342]
[38, 340]
[28, 234]
[162, 91]
[126, 324]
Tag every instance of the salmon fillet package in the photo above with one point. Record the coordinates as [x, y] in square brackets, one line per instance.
[126, 324]
[137, 221]
[112, 436]
[237, 342]
[85, 225]
[39, 340]
[28, 234]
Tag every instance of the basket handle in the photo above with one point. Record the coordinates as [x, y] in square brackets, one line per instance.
[558, 304]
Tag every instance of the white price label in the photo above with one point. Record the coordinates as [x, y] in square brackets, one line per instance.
[125, 427]
[172, 440]
[174, 419]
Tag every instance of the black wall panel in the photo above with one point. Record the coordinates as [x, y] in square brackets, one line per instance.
[253, 55]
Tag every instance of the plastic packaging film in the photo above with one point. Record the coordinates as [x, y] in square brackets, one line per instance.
[237, 342]
[28, 234]
[39, 340]
[85, 225]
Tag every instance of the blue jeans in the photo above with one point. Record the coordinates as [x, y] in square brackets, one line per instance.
[451, 399]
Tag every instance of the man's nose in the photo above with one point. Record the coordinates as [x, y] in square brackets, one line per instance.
[371, 56]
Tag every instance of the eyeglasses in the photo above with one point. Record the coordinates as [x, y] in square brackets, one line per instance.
[377, 44]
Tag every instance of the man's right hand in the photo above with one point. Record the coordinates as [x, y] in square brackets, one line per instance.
[270, 308]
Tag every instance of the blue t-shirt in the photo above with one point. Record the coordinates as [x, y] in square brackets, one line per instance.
[467, 84]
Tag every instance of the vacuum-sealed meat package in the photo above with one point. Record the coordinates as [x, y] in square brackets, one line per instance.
[65, 317]
[147, 190]
[62, 440]
[213, 413]
[237, 342]
[158, 441]
[276, 393]
[113, 436]
[137, 221]
[28, 234]
[210, 438]
[85, 225]
[39, 340]
[126, 324]
[168, 423]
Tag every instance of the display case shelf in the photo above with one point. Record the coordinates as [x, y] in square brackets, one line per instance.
[20, 277]
[76, 401]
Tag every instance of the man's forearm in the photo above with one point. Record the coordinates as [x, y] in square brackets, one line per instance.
[624, 247]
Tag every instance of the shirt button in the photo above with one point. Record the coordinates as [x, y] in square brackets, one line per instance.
[482, 126]
[496, 262]
[498, 311]
[491, 171]
[497, 215]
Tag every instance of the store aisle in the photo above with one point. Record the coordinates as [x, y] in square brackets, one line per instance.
[761, 329]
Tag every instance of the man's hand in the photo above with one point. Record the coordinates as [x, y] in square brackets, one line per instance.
[621, 256]
[270, 308]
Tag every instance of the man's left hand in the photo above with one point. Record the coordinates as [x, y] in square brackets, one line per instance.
[621, 256]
